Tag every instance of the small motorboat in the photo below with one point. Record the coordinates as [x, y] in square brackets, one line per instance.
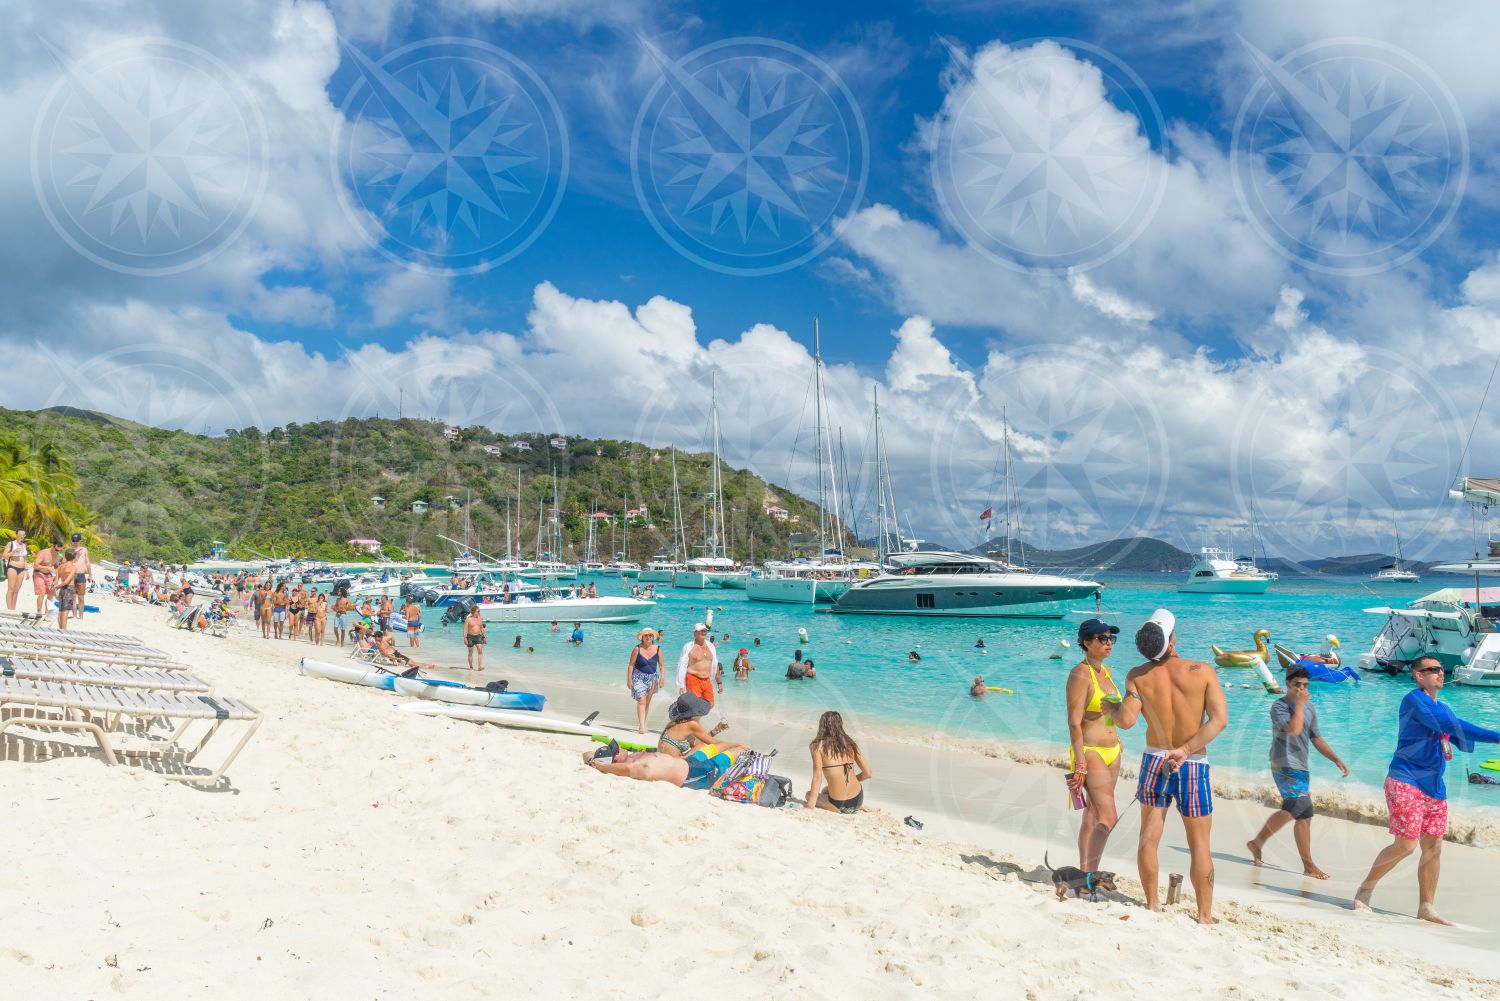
[1245, 658]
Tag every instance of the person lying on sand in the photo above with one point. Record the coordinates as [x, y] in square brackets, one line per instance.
[386, 644]
[698, 770]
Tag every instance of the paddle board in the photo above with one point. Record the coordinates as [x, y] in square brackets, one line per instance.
[349, 674]
[1493, 765]
[507, 717]
[457, 693]
[636, 742]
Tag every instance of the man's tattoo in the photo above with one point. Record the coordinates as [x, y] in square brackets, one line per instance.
[1195, 667]
[1210, 877]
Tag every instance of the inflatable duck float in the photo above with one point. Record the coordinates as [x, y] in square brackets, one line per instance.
[1246, 658]
[1324, 666]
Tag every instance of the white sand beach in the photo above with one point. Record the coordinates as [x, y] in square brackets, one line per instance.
[361, 852]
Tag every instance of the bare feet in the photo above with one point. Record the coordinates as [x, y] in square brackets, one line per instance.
[1310, 870]
[1361, 900]
[1207, 919]
[1426, 913]
[1254, 852]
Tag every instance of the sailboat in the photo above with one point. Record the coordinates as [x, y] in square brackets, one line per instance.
[949, 584]
[662, 569]
[714, 566]
[1396, 573]
[824, 578]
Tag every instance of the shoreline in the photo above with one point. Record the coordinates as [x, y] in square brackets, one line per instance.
[361, 851]
[1349, 800]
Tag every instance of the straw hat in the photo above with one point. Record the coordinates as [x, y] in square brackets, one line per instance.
[648, 631]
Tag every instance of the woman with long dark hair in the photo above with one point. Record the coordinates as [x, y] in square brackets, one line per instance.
[838, 761]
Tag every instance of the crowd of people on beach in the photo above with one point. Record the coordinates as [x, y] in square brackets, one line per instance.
[1184, 708]
[57, 575]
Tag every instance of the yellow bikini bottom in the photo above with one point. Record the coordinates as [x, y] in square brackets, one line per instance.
[1108, 755]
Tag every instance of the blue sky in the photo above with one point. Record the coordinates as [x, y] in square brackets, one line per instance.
[1210, 261]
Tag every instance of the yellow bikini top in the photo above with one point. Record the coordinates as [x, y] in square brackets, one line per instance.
[1096, 701]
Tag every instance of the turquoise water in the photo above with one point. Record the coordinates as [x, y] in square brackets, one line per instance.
[863, 668]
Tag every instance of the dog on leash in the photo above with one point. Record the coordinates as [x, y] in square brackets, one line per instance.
[1073, 878]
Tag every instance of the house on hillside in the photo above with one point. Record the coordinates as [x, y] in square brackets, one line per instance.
[493, 451]
[521, 446]
[777, 512]
[371, 546]
[558, 442]
[418, 507]
[636, 514]
[601, 518]
[378, 503]
[453, 502]
[452, 433]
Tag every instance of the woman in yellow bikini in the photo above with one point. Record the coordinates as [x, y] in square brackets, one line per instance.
[1095, 709]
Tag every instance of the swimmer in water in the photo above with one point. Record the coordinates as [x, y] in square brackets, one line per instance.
[914, 656]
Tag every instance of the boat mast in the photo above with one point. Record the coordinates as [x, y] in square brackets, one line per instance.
[824, 446]
[717, 484]
[882, 549]
[679, 539]
[625, 520]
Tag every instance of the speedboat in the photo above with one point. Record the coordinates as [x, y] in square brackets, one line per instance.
[1482, 669]
[939, 584]
[551, 606]
[1443, 625]
[1215, 573]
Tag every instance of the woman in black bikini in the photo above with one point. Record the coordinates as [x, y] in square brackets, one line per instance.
[835, 757]
[16, 563]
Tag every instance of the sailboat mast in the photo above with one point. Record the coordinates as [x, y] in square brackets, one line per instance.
[822, 448]
[882, 549]
[718, 512]
[625, 520]
[679, 539]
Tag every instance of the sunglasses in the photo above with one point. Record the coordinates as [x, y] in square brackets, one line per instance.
[1103, 638]
[1299, 684]
[1429, 670]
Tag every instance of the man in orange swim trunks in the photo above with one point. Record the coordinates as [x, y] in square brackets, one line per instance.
[697, 665]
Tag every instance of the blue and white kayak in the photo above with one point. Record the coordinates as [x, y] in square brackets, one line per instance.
[350, 674]
[457, 693]
[398, 623]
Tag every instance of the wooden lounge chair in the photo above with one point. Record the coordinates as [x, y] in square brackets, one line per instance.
[102, 713]
[145, 679]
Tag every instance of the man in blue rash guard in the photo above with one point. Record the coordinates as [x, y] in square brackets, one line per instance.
[1415, 792]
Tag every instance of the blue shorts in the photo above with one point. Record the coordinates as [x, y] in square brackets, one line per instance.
[1292, 783]
[1188, 786]
[341, 621]
[278, 615]
[704, 771]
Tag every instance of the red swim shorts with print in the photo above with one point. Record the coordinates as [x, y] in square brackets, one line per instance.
[1413, 812]
[701, 687]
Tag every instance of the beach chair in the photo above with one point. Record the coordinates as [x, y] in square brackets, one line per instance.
[102, 713]
[140, 658]
[104, 676]
[72, 636]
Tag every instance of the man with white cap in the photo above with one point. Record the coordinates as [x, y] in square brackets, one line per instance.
[697, 665]
[1184, 709]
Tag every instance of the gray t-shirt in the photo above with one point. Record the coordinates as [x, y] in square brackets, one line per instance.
[1287, 750]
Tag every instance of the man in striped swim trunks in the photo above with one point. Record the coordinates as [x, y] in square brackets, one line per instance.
[1184, 710]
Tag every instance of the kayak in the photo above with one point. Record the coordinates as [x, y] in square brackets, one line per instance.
[509, 718]
[456, 692]
[349, 674]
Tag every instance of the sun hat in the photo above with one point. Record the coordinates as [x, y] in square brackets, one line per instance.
[699, 627]
[647, 631]
[688, 706]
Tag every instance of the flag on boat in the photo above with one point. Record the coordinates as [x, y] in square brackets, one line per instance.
[989, 513]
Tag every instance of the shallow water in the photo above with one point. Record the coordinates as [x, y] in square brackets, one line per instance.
[863, 667]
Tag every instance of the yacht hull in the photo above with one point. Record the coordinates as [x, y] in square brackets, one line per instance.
[1225, 585]
[962, 596]
[570, 609]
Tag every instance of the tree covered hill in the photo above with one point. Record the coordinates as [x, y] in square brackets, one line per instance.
[306, 489]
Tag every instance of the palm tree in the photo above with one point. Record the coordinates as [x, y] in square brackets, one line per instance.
[39, 490]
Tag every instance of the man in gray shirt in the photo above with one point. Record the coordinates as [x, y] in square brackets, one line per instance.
[1294, 726]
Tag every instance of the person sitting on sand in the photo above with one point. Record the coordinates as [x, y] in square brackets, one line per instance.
[1294, 726]
[1415, 791]
[835, 758]
[385, 643]
[685, 734]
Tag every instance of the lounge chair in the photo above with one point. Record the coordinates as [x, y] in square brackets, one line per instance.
[121, 657]
[101, 711]
[73, 636]
[145, 679]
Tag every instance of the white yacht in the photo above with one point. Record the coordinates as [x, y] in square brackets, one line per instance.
[962, 585]
[1394, 574]
[1483, 668]
[706, 571]
[806, 582]
[552, 606]
[1216, 573]
[660, 571]
[1444, 625]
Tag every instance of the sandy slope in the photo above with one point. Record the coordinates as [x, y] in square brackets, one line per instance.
[362, 852]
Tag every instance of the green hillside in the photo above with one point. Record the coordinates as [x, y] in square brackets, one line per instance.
[306, 489]
[1134, 555]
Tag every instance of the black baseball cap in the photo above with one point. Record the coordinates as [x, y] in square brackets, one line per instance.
[1090, 628]
[77, 536]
